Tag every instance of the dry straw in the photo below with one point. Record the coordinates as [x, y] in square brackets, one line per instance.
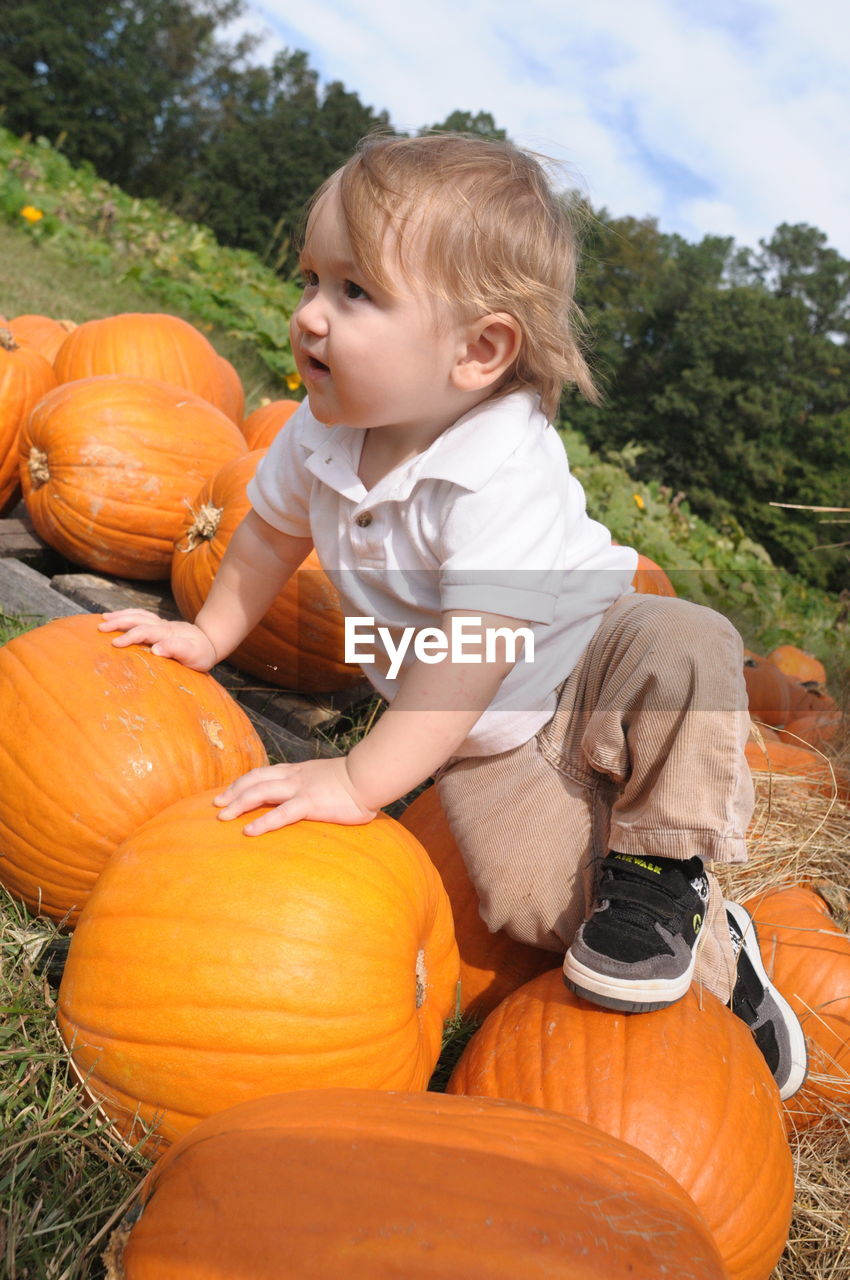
[798, 834]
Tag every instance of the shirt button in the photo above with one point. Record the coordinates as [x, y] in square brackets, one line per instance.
[364, 519]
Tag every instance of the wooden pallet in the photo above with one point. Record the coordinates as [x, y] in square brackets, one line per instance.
[35, 582]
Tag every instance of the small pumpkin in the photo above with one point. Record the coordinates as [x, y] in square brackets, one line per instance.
[807, 954]
[363, 1184]
[209, 967]
[263, 423]
[682, 1084]
[803, 768]
[155, 345]
[798, 663]
[109, 465]
[43, 333]
[814, 717]
[94, 740]
[768, 691]
[492, 965]
[651, 579]
[300, 643]
[25, 376]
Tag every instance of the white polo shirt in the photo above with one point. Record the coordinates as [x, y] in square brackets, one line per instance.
[489, 518]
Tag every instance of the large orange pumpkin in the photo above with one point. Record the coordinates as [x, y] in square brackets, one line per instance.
[209, 967]
[300, 642]
[491, 964]
[263, 423]
[158, 346]
[367, 1185]
[807, 955]
[109, 465]
[94, 740]
[25, 376]
[685, 1084]
[232, 391]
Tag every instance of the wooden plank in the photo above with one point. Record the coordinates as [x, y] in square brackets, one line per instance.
[28, 593]
[99, 595]
[282, 745]
[18, 540]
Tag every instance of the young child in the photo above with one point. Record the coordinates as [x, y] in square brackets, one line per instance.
[587, 741]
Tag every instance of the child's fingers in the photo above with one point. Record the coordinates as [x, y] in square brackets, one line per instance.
[264, 786]
[281, 816]
[122, 619]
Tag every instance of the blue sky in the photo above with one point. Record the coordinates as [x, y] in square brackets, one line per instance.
[715, 116]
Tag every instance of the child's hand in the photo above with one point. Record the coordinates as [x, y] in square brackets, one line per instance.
[319, 790]
[182, 641]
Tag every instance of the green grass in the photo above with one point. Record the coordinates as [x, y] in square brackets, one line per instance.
[64, 1179]
[36, 279]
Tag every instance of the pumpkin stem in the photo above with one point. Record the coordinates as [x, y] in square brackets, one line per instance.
[421, 978]
[204, 525]
[7, 341]
[39, 470]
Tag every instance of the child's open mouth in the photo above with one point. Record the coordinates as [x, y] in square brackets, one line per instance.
[316, 366]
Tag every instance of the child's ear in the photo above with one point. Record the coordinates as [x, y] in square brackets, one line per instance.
[491, 346]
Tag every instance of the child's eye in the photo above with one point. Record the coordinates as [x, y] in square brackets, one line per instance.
[309, 279]
[353, 291]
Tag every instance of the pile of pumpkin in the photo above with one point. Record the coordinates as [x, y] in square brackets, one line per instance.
[128, 440]
[796, 720]
[265, 1015]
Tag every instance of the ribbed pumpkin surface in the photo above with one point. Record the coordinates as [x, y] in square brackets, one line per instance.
[807, 954]
[109, 464]
[492, 965]
[686, 1084]
[155, 345]
[300, 642]
[416, 1186]
[25, 376]
[210, 967]
[95, 740]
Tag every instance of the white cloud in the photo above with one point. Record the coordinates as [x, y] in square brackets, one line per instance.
[725, 118]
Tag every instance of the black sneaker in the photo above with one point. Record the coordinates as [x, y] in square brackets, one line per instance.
[767, 1013]
[637, 951]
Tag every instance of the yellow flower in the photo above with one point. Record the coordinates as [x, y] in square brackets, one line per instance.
[31, 214]
[639, 502]
[293, 381]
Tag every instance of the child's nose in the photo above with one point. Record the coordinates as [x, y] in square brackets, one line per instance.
[311, 316]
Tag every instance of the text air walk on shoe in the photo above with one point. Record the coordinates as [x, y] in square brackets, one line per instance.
[637, 950]
[765, 1010]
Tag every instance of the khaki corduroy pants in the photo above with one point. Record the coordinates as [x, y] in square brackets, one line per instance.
[644, 754]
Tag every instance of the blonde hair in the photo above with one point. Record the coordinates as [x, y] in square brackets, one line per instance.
[495, 237]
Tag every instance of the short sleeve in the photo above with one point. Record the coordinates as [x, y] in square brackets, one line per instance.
[280, 489]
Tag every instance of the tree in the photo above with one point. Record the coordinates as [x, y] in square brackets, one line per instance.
[725, 368]
[122, 83]
[278, 136]
[481, 124]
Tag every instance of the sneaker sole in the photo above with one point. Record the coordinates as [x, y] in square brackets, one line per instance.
[622, 995]
[799, 1053]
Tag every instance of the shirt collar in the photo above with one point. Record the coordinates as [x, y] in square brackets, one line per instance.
[334, 452]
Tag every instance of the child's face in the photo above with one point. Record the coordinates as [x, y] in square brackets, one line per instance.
[369, 358]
